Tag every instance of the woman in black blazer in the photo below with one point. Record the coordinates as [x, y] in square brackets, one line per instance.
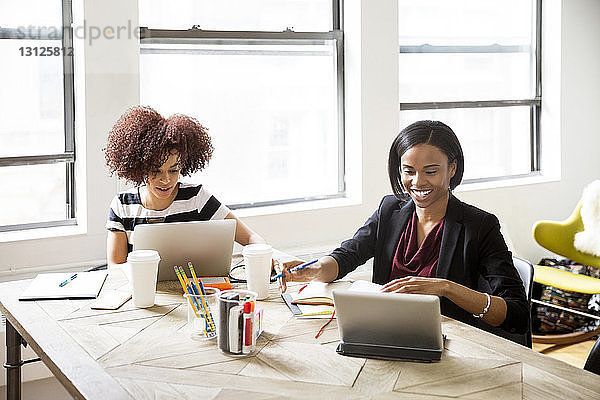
[424, 240]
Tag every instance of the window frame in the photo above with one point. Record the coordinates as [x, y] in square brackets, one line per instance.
[68, 156]
[195, 35]
[535, 104]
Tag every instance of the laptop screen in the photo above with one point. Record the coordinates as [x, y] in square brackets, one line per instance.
[207, 244]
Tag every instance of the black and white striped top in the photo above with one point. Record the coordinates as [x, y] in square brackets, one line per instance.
[192, 203]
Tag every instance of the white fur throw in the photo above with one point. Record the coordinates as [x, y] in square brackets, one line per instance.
[588, 241]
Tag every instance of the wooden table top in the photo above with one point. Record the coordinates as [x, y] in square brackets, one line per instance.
[149, 354]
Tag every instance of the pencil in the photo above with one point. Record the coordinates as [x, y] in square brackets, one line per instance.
[191, 298]
[189, 285]
[183, 285]
[194, 283]
[180, 278]
[210, 316]
[192, 288]
[191, 266]
[203, 292]
[183, 275]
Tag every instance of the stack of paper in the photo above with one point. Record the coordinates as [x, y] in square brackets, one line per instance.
[86, 285]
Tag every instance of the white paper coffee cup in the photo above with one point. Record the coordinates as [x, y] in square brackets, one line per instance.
[257, 259]
[142, 270]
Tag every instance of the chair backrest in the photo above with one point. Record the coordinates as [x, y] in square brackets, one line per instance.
[525, 270]
[593, 361]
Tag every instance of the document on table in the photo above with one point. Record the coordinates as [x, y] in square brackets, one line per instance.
[315, 300]
[86, 285]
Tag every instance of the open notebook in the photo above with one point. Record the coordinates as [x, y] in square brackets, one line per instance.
[315, 300]
[87, 285]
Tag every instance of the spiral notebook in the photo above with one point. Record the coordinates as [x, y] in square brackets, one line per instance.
[86, 285]
[315, 300]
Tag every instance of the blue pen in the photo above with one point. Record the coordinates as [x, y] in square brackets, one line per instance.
[299, 267]
[201, 287]
[63, 283]
[192, 290]
[208, 312]
[196, 291]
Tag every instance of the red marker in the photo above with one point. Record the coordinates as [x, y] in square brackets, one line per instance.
[249, 344]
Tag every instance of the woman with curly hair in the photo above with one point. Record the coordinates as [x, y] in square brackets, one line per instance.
[152, 152]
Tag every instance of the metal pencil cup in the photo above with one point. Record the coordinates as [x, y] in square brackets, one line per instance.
[202, 313]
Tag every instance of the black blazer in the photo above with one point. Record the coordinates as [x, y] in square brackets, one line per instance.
[473, 253]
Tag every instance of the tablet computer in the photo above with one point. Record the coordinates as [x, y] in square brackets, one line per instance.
[389, 325]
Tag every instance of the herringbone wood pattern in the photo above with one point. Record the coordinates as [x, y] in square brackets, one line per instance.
[149, 354]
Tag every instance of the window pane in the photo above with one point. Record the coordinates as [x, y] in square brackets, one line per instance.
[271, 111]
[37, 194]
[465, 22]
[31, 105]
[495, 141]
[453, 77]
[238, 15]
[31, 14]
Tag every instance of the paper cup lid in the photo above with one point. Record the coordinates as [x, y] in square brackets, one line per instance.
[258, 249]
[143, 255]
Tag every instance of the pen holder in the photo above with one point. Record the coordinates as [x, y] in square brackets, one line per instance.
[237, 322]
[202, 313]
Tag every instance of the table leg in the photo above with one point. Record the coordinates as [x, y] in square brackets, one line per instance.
[13, 362]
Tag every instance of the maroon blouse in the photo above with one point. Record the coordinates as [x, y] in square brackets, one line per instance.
[412, 260]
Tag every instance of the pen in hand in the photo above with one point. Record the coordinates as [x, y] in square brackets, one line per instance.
[299, 267]
[63, 283]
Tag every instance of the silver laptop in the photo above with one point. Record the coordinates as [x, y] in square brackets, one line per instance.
[207, 244]
[389, 325]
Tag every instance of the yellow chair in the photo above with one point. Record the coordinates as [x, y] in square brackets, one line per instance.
[558, 237]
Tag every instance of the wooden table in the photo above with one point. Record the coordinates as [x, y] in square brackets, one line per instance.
[148, 354]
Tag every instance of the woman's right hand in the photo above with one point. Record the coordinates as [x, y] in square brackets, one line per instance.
[307, 274]
[324, 270]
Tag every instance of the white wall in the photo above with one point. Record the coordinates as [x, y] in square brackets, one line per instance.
[579, 85]
[372, 64]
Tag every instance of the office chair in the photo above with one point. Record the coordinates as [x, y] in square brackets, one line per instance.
[525, 270]
[558, 237]
[592, 363]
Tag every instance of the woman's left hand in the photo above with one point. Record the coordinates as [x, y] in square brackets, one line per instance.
[417, 285]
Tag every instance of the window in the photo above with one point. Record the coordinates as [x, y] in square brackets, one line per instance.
[37, 145]
[475, 65]
[266, 78]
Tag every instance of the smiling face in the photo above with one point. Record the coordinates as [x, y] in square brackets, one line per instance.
[161, 184]
[425, 174]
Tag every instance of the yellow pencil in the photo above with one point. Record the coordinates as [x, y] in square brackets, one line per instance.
[180, 279]
[206, 308]
[205, 311]
[187, 282]
[191, 266]
[183, 275]
[178, 273]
